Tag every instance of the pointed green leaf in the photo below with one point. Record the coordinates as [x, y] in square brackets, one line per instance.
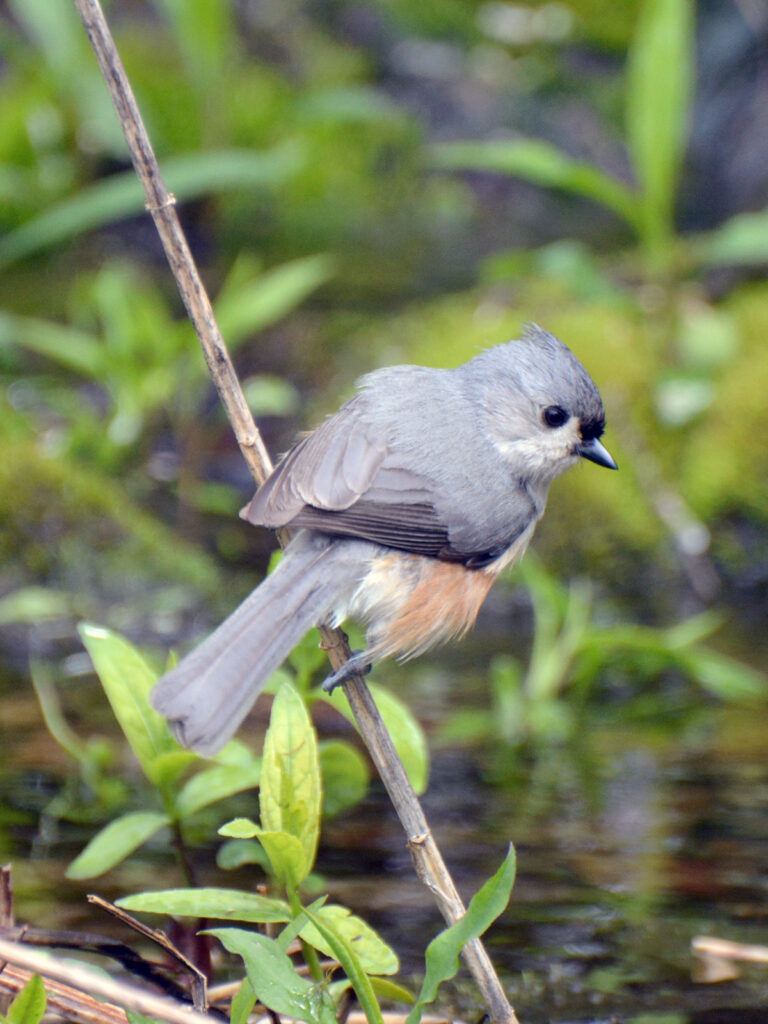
[120, 195]
[223, 904]
[127, 680]
[391, 991]
[659, 90]
[274, 979]
[543, 164]
[342, 951]
[30, 1004]
[375, 956]
[214, 784]
[115, 841]
[290, 794]
[442, 957]
[261, 301]
[287, 856]
[406, 733]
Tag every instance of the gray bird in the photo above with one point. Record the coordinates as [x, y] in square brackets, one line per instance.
[404, 506]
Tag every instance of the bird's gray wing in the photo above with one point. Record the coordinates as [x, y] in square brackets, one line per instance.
[344, 479]
[331, 468]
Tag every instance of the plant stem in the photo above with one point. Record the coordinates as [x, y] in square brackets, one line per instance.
[430, 866]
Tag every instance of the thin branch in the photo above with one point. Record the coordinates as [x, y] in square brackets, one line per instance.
[430, 866]
[113, 991]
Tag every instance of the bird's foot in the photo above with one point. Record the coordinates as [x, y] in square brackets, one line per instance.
[354, 665]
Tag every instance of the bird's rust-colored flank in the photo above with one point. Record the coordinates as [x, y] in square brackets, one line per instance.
[443, 603]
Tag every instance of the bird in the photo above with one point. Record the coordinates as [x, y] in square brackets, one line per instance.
[403, 508]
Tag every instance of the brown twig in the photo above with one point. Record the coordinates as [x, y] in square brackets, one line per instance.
[430, 866]
[113, 991]
[198, 980]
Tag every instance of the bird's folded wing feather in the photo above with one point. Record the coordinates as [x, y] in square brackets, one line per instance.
[344, 481]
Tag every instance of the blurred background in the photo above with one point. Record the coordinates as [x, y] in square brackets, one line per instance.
[366, 182]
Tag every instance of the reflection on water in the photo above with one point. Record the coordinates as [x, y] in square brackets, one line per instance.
[630, 843]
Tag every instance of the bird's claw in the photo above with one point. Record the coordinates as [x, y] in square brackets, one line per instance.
[354, 665]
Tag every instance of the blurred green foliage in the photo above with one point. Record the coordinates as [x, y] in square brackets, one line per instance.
[300, 143]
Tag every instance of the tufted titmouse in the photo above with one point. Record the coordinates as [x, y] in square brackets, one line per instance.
[406, 505]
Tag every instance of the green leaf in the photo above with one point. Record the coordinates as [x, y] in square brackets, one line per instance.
[406, 733]
[390, 990]
[274, 979]
[127, 680]
[659, 90]
[240, 828]
[120, 195]
[243, 1002]
[290, 795]
[287, 855]
[345, 776]
[115, 841]
[260, 302]
[341, 949]
[238, 852]
[543, 164]
[442, 957]
[742, 240]
[724, 677]
[214, 784]
[374, 955]
[31, 605]
[223, 904]
[30, 1004]
[71, 348]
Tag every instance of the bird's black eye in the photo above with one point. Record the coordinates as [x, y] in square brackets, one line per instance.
[555, 416]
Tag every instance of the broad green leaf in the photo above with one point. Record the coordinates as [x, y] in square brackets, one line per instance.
[442, 956]
[260, 302]
[214, 784]
[659, 90]
[168, 768]
[543, 164]
[30, 1004]
[375, 956]
[120, 195]
[345, 776]
[274, 979]
[287, 855]
[115, 841]
[342, 951]
[406, 733]
[240, 828]
[290, 794]
[127, 680]
[236, 853]
[223, 904]
[243, 1002]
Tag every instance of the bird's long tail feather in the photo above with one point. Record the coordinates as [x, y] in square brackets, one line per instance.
[208, 694]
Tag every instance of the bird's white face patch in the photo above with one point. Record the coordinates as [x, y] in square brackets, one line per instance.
[535, 452]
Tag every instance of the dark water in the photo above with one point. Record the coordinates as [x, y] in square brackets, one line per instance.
[630, 842]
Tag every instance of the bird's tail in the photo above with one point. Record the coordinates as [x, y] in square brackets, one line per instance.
[208, 694]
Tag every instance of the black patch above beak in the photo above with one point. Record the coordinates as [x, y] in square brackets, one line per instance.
[596, 452]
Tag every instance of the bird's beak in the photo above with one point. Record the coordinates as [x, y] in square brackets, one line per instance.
[596, 452]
